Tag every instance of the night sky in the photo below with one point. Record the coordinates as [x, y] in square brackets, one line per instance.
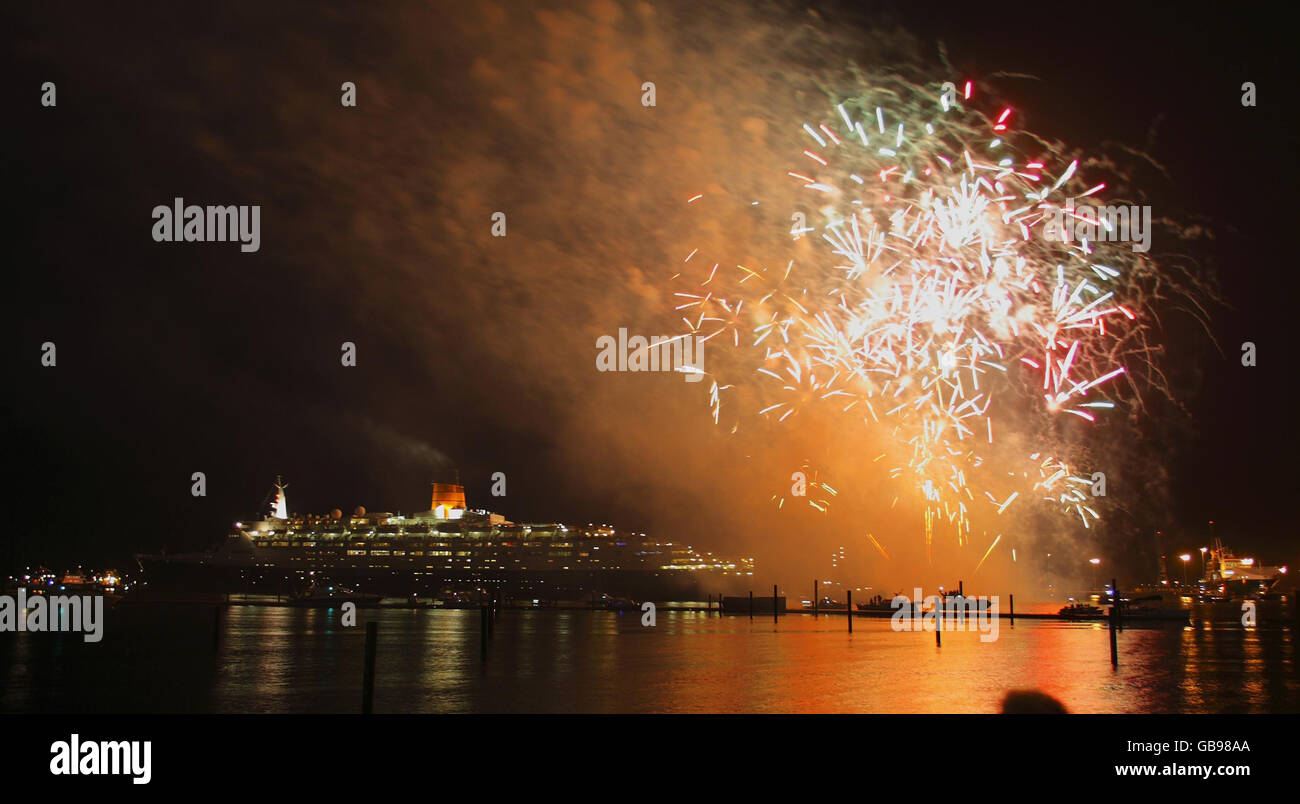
[475, 353]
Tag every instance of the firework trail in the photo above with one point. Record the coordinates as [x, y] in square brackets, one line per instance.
[943, 312]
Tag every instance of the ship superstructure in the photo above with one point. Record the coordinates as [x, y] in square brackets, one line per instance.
[1230, 574]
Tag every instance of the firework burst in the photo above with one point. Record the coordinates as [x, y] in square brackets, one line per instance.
[940, 312]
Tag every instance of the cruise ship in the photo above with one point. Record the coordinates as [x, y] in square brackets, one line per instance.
[450, 549]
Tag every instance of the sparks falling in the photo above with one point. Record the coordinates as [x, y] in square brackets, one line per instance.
[940, 312]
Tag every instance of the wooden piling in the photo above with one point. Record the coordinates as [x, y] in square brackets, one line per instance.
[751, 604]
[938, 622]
[1118, 607]
[774, 610]
[1013, 609]
[1114, 625]
[368, 679]
[849, 611]
[816, 594]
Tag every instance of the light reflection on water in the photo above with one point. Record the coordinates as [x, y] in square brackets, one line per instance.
[293, 660]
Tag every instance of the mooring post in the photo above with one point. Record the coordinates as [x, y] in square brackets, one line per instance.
[1013, 609]
[1114, 646]
[368, 679]
[774, 611]
[751, 604]
[938, 621]
[1119, 612]
[849, 610]
[708, 607]
[815, 596]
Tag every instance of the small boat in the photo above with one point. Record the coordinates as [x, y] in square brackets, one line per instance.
[1150, 608]
[886, 603]
[457, 600]
[616, 603]
[411, 601]
[1082, 611]
[1154, 613]
[328, 595]
[917, 608]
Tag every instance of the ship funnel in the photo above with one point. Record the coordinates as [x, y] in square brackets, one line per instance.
[451, 495]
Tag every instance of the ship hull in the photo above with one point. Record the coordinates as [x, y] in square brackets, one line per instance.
[164, 574]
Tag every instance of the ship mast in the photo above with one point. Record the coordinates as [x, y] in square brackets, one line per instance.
[1214, 572]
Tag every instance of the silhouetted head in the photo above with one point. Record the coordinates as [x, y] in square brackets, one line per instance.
[1031, 702]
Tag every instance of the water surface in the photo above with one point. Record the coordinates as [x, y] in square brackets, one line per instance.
[268, 659]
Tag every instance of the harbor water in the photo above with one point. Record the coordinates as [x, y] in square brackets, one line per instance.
[192, 658]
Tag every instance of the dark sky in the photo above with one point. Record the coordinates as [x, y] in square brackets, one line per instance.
[474, 355]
